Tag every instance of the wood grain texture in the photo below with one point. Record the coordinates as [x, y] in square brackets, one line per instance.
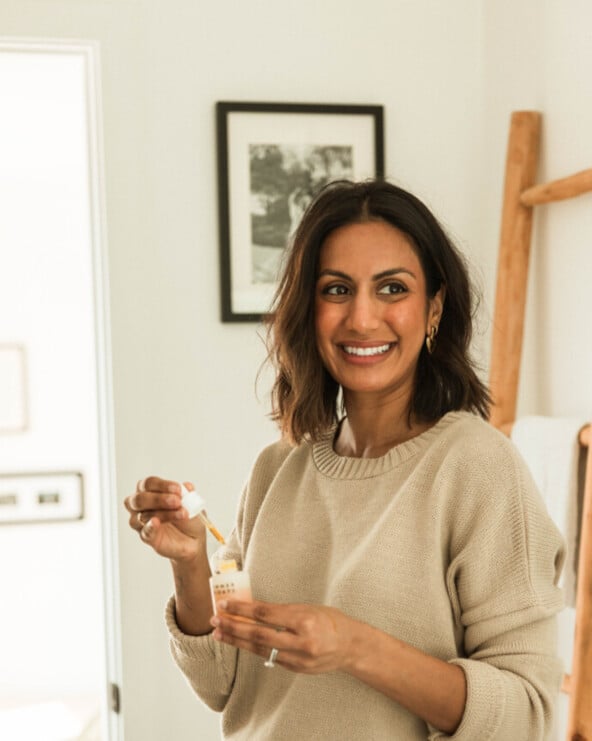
[580, 706]
[514, 251]
[558, 190]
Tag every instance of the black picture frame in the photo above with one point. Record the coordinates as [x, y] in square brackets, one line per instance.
[272, 157]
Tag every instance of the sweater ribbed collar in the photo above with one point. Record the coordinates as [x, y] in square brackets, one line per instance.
[337, 466]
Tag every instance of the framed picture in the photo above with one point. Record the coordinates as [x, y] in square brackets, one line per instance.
[272, 159]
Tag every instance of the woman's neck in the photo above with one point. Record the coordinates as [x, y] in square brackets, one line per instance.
[371, 429]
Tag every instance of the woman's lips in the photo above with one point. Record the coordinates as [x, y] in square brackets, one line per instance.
[366, 351]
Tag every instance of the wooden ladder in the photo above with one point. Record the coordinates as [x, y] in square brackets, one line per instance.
[521, 195]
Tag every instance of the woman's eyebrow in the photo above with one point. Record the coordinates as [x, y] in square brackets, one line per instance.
[378, 276]
[335, 273]
[393, 271]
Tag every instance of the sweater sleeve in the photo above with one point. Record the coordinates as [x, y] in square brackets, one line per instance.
[208, 665]
[502, 582]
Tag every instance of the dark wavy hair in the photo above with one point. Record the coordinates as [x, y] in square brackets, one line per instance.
[305, 398]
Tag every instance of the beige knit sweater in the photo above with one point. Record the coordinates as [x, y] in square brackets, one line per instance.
[443, 542]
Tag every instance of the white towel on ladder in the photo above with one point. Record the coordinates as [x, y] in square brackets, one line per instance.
[550, 447]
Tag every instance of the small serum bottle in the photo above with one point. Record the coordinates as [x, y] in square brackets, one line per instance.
[227, 582]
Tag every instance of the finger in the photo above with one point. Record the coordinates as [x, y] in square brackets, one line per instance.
[148, 531]
[259, 649]
[152, 501]
[138, 519]
[143, 518]
[260, 638]
[256, 639]
[260, 641]
[135, 521]
[274, 615]
[255, 633]
[154, 483]
[153, 494]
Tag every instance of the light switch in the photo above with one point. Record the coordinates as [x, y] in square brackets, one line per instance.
[41, 497]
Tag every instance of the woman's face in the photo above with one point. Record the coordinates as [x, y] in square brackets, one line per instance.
[372, 313]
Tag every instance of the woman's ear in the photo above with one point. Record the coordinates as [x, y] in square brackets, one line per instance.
[436, 307]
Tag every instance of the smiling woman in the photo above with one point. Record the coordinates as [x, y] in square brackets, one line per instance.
[385, 458]
[412, 268]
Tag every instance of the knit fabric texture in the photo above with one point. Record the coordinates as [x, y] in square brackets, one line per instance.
[444, 543]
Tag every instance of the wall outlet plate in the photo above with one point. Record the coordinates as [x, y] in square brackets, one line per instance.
[41, 497]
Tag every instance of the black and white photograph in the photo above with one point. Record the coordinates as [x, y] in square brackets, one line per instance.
[272, 159]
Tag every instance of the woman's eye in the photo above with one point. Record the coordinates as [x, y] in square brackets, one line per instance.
[335, 290]
[392, 289]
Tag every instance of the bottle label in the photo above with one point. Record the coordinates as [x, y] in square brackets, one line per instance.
[226, 587]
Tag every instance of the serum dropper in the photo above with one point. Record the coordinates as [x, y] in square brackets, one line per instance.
[195, 506]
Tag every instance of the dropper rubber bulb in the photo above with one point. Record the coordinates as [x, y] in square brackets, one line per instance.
[195, 504]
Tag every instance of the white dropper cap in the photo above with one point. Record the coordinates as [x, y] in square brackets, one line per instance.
[192, 501]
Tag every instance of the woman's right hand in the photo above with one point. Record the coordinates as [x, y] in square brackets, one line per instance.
[157, 515]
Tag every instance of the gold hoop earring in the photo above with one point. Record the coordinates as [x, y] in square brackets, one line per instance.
[431, 339]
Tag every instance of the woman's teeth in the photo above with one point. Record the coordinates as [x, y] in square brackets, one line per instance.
[365, 351]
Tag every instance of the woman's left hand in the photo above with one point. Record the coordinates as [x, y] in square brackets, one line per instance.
[313, 639]
[309, 639]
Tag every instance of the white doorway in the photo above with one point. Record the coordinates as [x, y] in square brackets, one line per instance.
[59, 637]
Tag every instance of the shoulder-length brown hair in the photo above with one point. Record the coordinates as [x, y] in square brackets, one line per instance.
[305, 398]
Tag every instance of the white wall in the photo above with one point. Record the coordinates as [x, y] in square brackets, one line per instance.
[538, 56]
[184, 400]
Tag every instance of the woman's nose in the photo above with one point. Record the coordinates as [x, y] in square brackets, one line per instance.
[363, 315]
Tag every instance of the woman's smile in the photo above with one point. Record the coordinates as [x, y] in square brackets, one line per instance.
[366, 353]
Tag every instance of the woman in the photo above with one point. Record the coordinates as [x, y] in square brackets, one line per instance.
[404, 568]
